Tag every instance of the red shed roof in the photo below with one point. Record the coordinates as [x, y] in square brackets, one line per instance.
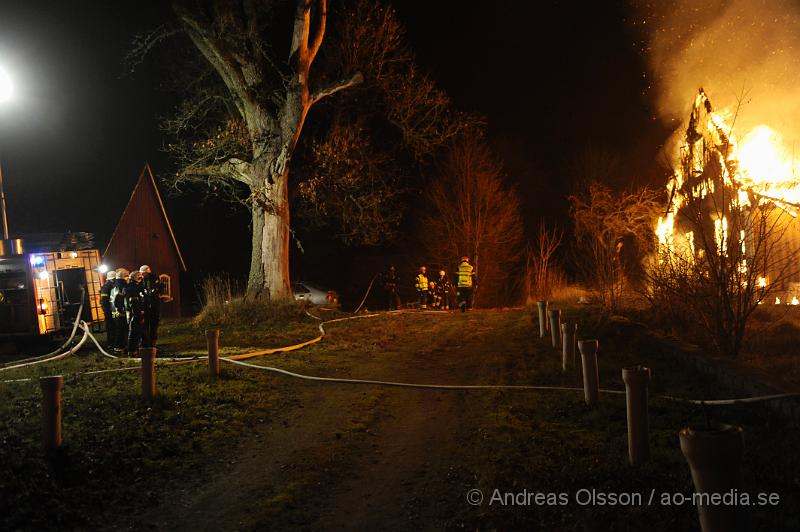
[146, 179]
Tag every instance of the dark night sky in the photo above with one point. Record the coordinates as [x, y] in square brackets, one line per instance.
[553, 78]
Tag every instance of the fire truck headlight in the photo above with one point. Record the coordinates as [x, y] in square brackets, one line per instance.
[44, 275]
[102, 268]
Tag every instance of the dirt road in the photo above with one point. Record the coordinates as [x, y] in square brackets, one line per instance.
[354, 457]
[362, 457]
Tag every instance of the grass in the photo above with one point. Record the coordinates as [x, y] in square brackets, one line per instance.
[771, 346]
[555, 444]
[115, 442]
[122, 453]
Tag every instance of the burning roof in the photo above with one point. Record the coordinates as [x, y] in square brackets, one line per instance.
[757, 169]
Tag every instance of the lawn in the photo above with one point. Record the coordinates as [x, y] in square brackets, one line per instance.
[123, 455]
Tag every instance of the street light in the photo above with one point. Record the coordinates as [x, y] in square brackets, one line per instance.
[6, 90]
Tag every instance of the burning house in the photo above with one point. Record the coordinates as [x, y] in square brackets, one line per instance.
[737, 200]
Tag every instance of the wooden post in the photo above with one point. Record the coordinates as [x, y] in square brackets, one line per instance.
[714, 454]
[555, 327]
[568, 338]
[636, 380]
[591, 379]
[542, 305]
[212, 340]
[148, 357]
[51, 411]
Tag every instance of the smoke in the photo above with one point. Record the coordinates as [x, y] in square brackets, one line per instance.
[744, 53]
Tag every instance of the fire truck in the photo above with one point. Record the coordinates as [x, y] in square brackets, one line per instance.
[43, 283]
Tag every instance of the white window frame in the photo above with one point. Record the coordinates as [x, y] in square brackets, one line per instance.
[166, 287]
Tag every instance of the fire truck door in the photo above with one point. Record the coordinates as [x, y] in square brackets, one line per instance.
[70, 282]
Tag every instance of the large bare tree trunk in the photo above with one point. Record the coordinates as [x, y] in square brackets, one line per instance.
[269, 262]
[238, 56]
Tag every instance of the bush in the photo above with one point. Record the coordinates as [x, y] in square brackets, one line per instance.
[224, 305]
[261, 313]
[220, 290]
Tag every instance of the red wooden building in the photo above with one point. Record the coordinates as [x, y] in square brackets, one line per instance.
[144, 236]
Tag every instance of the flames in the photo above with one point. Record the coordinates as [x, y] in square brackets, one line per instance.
[758, 169]
[759, 166]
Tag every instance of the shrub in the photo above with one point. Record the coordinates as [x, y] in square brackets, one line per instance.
[224, 305]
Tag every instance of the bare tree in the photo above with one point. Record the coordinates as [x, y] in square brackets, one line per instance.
[607, 222]
[471, 211]
[241, 124]
[542, 275]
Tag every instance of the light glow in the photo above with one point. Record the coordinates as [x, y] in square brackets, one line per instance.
[102, 268]
[6, 88]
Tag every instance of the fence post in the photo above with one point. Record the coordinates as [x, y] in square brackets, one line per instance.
[714, 454]
[555, 327]
[212, 340]
[148, 357]
[591, 379]
[542, 318]
[636, 380]
[51, 411]
[568, 329]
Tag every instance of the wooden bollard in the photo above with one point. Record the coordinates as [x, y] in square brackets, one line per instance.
[148, 357]
[51, 411]
[591, 379]
[714, 454]
[568, 329]
[555, 327]
[636, 379]
[212, 340]
[542, 305]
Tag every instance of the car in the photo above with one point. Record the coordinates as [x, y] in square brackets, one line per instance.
[304, 291]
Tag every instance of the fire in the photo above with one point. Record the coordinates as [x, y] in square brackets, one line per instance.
[759, 169]
[767, 168]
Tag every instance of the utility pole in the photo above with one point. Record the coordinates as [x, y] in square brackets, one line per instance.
[3, 200]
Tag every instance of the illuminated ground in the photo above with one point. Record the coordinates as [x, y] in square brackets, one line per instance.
[261, 451]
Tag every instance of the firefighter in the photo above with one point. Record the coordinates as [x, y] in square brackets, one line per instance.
[151, 292]
[466, 283]
[433, 295]
[443, 287]
[105, 304]
[134, 306]
[422, 287]
[390, 289]
[118, 313]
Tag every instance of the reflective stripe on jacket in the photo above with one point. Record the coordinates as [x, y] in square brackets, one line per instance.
[465, 275]
[422, 282]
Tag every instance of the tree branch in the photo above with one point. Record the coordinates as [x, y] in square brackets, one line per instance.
[335, 87]
[320, 33]
[298, 53]
[213, 51]
[232, 168]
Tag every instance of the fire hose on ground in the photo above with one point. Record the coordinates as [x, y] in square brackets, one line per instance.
[237, 360]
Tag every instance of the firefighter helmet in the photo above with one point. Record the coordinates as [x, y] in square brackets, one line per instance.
[144, 268]
[111, 275]
[122, 273]
[464, 258]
